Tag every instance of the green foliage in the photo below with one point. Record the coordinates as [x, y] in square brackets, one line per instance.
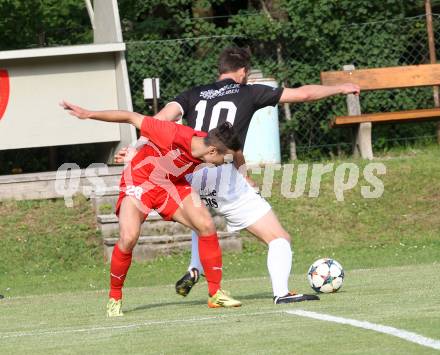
[25, 24]
[291, 40]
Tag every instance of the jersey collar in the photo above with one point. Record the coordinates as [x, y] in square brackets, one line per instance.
[227, 80]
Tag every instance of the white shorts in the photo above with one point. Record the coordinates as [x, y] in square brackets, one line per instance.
[245, 211]
[228, 193]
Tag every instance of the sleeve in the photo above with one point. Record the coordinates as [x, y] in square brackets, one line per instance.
[183, 100]
[265, 95]
[159, 132]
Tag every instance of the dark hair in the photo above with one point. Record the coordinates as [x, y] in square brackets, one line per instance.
[223, 138]
[232, 59]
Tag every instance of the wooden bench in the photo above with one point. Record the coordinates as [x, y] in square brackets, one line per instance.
[381, 79]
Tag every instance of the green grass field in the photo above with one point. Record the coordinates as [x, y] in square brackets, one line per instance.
[158, 321]
[55, 282]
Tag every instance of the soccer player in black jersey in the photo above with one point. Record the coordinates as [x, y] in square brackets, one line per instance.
[227, 190]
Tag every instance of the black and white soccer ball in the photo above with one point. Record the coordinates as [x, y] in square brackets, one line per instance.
[326, 275]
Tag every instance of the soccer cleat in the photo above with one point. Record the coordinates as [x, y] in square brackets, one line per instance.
[114, 308]
[294, 297]
[186, 283]
[222, 299]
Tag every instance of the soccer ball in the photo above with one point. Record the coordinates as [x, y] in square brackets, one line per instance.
[326, 275]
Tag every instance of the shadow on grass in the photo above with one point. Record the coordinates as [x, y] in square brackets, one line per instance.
[255, 296]
[165, 304]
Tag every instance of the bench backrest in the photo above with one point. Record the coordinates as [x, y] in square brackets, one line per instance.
[386, 78]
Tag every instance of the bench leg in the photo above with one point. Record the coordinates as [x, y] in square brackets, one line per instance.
[362, 145]
[362, 142]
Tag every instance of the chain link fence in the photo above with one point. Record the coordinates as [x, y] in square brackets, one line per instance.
[183, 63]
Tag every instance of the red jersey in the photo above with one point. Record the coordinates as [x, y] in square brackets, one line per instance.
[167, 153]
[156, 175]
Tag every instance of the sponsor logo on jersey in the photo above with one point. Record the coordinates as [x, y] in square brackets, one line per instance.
[210, 202]
[208, 197]
[4, 91]
[208, 192]
[225, 90]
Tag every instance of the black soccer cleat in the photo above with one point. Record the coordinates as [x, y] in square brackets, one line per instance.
[186, 283]
[294, 297]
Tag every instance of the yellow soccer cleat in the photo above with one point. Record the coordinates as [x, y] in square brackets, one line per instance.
[222, 299]
[114, 308]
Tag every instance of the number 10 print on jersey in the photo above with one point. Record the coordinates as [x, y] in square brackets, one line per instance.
[228, 106]
[205, 107]
[4, 91]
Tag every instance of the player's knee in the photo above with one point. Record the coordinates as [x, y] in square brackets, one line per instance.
[126, 245]
[127, 239]
[206, 227]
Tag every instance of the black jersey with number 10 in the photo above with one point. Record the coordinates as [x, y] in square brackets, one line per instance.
[205, 107]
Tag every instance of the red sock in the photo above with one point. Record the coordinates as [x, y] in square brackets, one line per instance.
[211, 259]
[118, 271]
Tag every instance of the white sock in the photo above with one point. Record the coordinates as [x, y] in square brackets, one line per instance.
[279, 263]
[195, 259]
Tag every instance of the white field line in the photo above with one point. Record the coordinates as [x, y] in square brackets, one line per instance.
[403, 334]
[127, 326]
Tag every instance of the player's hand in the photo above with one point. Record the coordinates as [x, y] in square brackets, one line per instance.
[75, 110]
[349, 88]
[125, 155]
[251, 182]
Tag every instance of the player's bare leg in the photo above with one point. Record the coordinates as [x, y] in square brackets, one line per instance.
[279, 257]
[268, 228]
[131, 216]
[196, 216]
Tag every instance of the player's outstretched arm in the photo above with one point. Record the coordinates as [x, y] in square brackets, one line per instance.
[108, 116]
[171, 112]
[316, 92]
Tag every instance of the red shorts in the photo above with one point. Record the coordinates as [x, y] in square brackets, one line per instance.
[164, 199]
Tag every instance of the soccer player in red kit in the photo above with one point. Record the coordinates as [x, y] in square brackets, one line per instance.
[154, 179]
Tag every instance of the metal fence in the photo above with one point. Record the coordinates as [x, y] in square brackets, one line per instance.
[183, 63]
